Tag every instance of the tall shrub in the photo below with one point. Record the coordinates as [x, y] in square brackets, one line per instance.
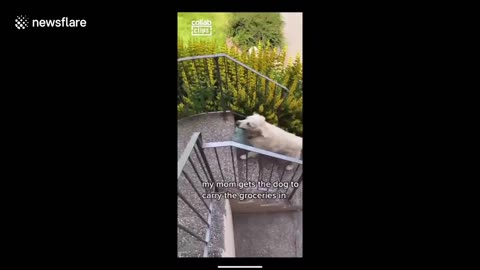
[247, 29]
[202, 87]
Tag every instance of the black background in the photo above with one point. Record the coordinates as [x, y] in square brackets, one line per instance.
[89, 125]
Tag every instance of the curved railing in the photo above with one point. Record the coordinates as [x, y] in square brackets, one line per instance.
[194, 146]
[210, 72]
[194, 155]
[216, 56]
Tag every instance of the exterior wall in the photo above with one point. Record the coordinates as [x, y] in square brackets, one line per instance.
[229, 238]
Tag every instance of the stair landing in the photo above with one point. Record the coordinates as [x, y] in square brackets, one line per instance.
[268, 234]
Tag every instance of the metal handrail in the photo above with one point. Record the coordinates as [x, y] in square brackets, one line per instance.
[222, 100]
[252, 149]
[195, 140]
[191, 148]
[186, 153]
[234, 60]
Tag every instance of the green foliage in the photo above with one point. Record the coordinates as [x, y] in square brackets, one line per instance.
[248, 29]
[220, 25]
[209, 84]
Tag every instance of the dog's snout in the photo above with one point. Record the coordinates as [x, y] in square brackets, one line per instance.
[238, 122]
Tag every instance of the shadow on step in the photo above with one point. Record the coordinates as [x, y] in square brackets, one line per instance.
[277, 234]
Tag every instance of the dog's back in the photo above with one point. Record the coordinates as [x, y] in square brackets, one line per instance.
[278, 140]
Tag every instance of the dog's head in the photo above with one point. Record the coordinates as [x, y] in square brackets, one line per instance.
[252, 124]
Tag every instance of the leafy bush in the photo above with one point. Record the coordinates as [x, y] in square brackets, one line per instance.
[209, 84]
[248, 29]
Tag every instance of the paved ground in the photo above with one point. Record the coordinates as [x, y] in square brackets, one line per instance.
[213, 126]
[268, 234]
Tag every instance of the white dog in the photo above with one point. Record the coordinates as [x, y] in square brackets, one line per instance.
[264, 135]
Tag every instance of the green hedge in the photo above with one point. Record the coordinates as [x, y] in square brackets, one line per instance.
[248, 29]
[243, 92]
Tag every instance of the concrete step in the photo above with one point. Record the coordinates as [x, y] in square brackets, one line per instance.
[214, 127]
[262, 228]
[268, 234]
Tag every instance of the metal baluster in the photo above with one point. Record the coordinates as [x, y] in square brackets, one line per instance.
[233, 164]
[218, 161]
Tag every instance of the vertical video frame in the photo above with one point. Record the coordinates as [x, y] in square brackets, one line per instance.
[240, 128]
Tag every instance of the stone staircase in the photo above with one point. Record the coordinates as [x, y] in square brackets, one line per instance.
[262, 228]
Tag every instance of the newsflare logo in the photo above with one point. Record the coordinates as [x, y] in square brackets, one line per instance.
[23, 22]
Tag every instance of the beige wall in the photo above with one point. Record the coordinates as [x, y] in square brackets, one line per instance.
[293, 33]
[228, 225]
